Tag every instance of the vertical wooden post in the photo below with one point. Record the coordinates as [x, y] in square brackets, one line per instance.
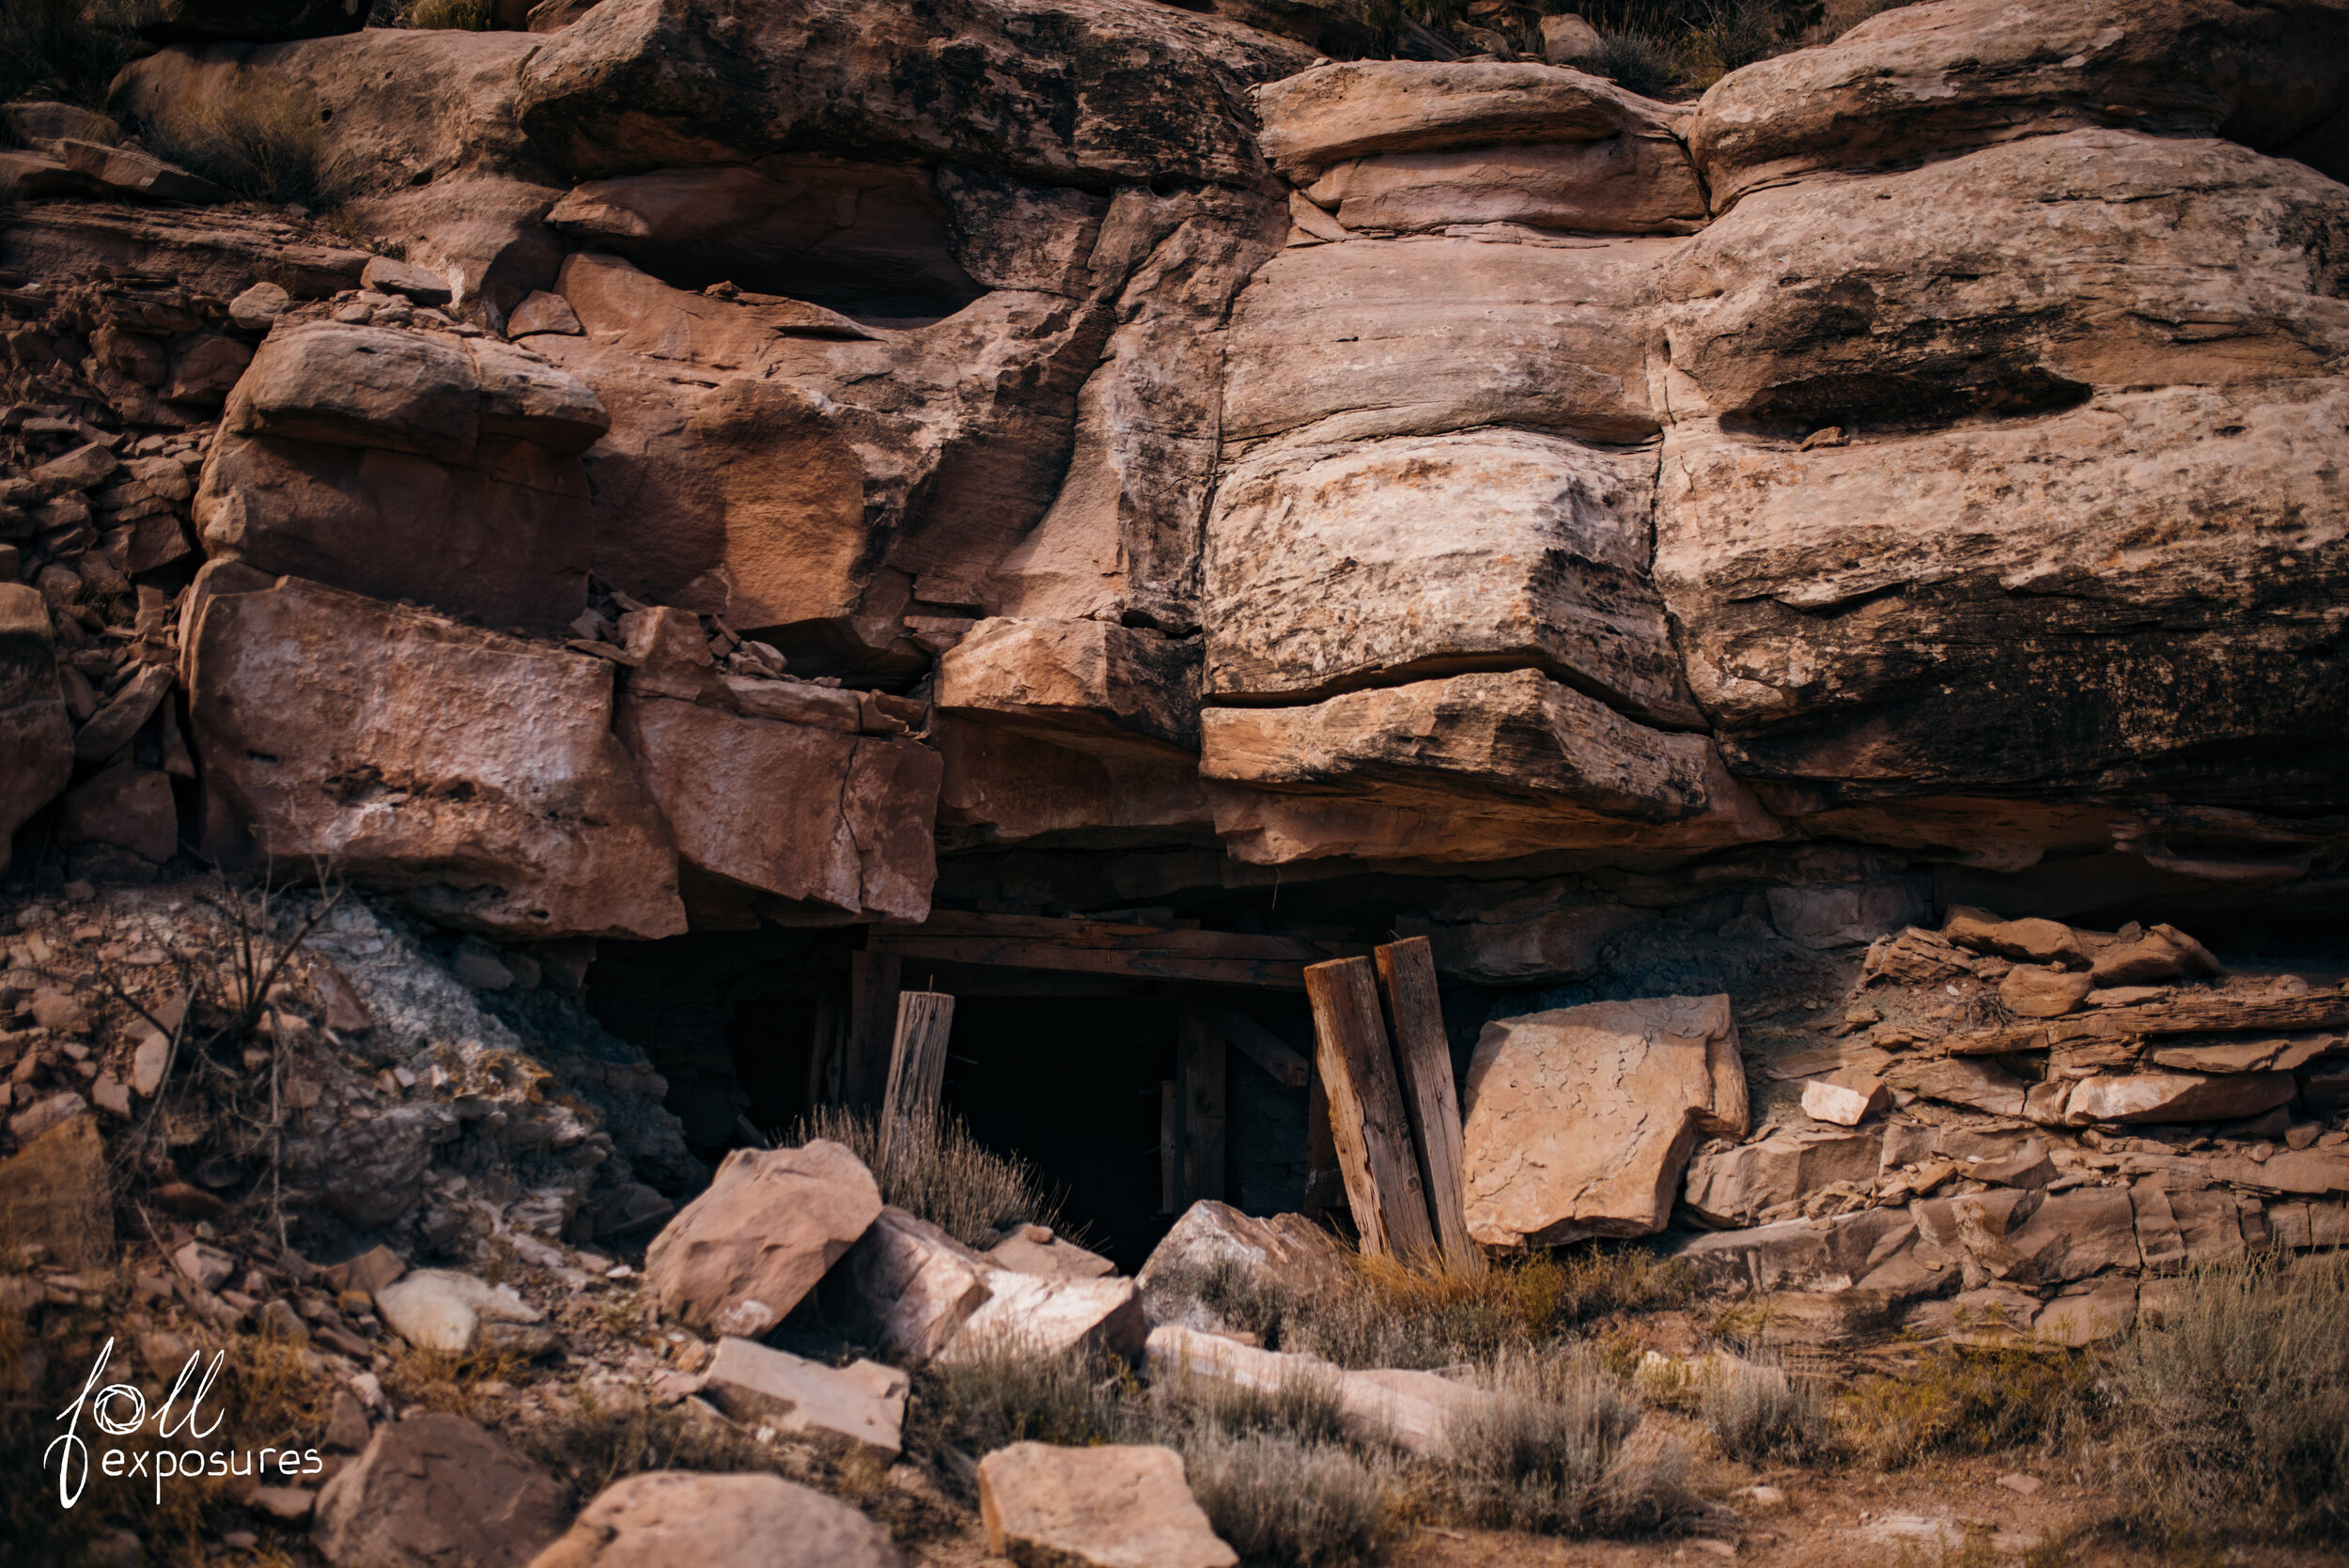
[1199, 1068]
[1423, 1058]
[917, 1066]
[1170, 1144]
[873, 984]
[823, 1055]
[1367, 1120]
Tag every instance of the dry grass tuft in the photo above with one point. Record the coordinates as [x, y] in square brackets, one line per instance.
[1759, 1414]
[2232, 1420]
[470, 16]
[1960, 1400]
[591, 1444]
[1006, 1394]
[1283, 1499]
[259, 139]
[1552, 1452]
[943, 1174]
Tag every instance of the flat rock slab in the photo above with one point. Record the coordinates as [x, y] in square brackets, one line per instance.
[863, 1403]
[1118, 1506]
[1408, 1409]
[668, 1518]
[1580, 1120]
[919, 1295]
[1732, 1186]
[437, 1490]
[1287, 1252]
[1035, 1250]
[737, 1259]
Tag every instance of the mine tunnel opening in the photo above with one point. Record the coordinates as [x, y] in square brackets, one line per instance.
[1124, 1096]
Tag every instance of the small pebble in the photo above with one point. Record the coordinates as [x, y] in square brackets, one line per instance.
[2026, 1484]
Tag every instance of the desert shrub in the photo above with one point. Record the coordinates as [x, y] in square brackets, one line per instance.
[1759, 1414]
[943, 1174]
[471, 16]
[990, 1396]
[1284, 1502]
[2232, 1420]
[1730, 34]
[67, 49]
[1551, 1451]
[1394, 1316]
[1966, 1400]
[591, 1444]
[259, 139]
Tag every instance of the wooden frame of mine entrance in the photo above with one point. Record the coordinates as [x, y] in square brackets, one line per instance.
[1382, 1122]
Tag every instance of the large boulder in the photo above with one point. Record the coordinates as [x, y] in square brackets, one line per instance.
[409, 465]
[2152, 635]
[920, 1296]
[665, 1517]
[1579, 1121]
[1072, 95]
[35, 737]
[1410, 146]
[1536, 758]
[1214, 1250]
[827, 824]
[475, 774]
[737, 1259]
[862, 1404]
[1330, 567]
[1115, 1506]
[437, 1491]
[1920, 81]
[1364, 339]
[1087, 684]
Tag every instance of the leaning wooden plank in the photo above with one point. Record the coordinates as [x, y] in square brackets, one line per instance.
[917, 1067]
[1287, 974]
[1423, 1056]
[1367, 1120]
[1259, 1044]
[872, 982]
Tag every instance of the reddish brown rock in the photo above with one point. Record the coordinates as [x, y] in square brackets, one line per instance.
[737, 1259]
[433, 1490]
[1920, 81]
[475, 774]
[35, 737]
[662, 1517]
[815, 816]
[1578, 1122]
[1086, 684]
[126, 809]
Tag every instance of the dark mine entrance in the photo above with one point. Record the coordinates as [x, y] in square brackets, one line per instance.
[1132, 1094]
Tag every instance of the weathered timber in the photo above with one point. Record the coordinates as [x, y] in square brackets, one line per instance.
[1372, 1130]
[824, 1062]
[1170, 1144]
[874, 981]
[1100, 947]
[1259, 1044]
[1424, 1060]
[917, 1066]
[1199, 1059]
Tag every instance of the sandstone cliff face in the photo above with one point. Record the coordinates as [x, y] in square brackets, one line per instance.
[1927, 441]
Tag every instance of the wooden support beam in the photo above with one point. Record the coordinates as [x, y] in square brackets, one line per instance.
[874, 981]
[1170, 1144]
[1200, 1058]
[1098, 947]
[1367, 1121]
[824, 1054]
[1259, 1044]
[917, 1066]
[1423, 1058]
